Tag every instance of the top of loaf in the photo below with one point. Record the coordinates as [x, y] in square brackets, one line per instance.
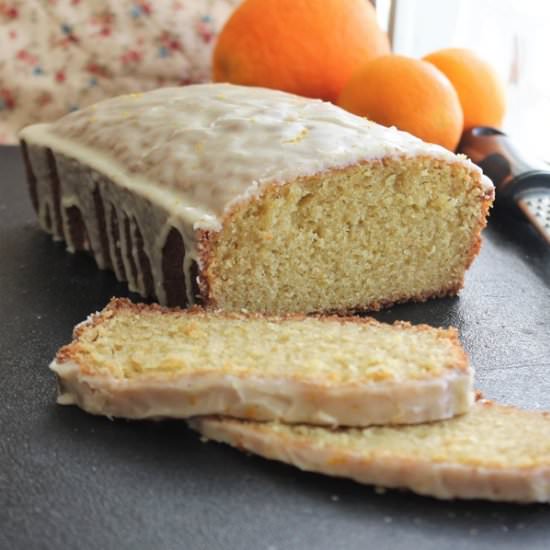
[213, 145]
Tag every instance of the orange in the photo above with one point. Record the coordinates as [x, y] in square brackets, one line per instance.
[308, 47]
[479, 88]
[408, 93]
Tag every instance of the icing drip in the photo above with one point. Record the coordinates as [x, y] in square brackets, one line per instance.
[124, 232]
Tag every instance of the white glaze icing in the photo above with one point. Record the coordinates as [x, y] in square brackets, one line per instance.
[266, 397]
[47, 215]
[153, 218]
[215, 144]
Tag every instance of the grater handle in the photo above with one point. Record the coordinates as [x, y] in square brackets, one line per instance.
[511, 171]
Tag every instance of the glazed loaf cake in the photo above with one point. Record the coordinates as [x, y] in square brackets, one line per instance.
[139, 361]
[248, 198]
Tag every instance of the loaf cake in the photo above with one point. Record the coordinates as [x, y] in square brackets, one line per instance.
[494, 452]
[139, 361]
[248, 198]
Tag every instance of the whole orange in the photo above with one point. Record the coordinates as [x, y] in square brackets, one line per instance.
[479, 88]
[413, 95]
[308, 47]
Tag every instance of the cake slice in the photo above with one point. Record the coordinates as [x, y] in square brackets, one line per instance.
[242, 197]
[138, 361]
[494, 452]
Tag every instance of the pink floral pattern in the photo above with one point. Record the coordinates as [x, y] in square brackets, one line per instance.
[60, 55]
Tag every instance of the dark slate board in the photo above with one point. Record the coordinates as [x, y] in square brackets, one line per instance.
[70, 480]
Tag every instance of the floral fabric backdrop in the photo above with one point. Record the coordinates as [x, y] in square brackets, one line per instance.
[60, 55]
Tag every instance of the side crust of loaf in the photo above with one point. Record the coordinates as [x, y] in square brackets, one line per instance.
[285, 398]
[440, 479]
[141, 242]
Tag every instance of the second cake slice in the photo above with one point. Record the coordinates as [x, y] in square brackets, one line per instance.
[138, 361]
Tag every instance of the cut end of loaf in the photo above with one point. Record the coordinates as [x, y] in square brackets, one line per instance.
[360, 238]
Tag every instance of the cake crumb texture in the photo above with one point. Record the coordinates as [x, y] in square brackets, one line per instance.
[127, 341]
[356, 239]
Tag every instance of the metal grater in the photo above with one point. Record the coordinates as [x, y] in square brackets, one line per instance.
[536, 207]
[522, 186]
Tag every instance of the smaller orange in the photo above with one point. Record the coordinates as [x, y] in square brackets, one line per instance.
[413, 95]
[479, 88]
